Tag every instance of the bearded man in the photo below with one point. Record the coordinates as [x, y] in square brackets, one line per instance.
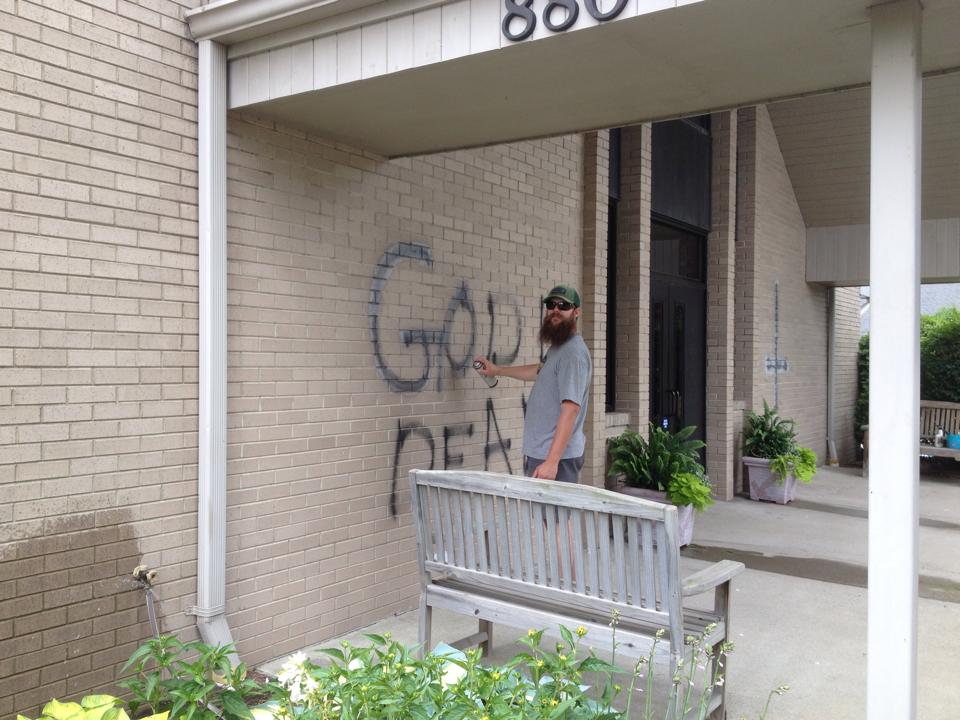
[553, 439]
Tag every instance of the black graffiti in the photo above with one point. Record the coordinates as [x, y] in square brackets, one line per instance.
[436, 343]
[406, 429]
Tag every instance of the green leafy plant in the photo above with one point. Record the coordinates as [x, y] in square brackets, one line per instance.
[92, 707]
[690, 489]
[666, 461]
[388, 681]
[204, 687]
[768, 435]
[773, 438]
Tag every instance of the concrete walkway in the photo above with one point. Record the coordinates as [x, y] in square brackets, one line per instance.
[799, 610]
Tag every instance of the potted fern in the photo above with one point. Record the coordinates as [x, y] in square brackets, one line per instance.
[772, 460]
[665, 468]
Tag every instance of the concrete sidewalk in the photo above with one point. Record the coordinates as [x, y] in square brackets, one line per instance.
[799, 610]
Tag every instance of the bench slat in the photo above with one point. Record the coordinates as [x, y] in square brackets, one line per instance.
[603, 535]
[662, 570]
[648, 567]
[633, 564]
[550, 538]
[577, 522]
[466, 509]
[529, 570]
[448, 541]
[564, 549]
[481, 532]
[537, 512]
[515, 570]
[493, 553]
[592, 579]
[618, 559]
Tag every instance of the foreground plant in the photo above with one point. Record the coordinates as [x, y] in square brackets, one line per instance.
[386, 680]
[92, 707]
[204, 687]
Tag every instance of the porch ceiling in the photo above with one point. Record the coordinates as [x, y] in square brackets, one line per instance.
[825, 142]
[705, 56]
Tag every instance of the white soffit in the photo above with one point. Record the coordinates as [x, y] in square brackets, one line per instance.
[704, 56]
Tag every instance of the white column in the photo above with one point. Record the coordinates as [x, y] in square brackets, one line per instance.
[212, 470]
[894, 361]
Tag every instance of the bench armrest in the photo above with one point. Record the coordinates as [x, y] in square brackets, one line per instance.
[709, 577]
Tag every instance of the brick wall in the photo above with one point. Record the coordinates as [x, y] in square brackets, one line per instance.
[633, 277]
[98, 323]
[846, 343]
[359, 289]
[778, 287]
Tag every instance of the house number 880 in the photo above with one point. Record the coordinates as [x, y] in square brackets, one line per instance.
[571, 10]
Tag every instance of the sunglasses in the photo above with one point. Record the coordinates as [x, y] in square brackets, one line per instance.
[558, 305]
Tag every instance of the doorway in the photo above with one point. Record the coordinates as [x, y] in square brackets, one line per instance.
[678, 308]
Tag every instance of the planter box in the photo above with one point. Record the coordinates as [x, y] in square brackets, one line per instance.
[684, 512]
[764, 484]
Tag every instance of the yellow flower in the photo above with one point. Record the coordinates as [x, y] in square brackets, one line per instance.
[539, 663]
[563, 657]
[531, 632]
[581, 631]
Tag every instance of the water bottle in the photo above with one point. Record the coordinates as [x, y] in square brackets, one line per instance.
[488, 379]
[939, 438]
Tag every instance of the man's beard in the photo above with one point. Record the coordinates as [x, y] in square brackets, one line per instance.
[557, 333]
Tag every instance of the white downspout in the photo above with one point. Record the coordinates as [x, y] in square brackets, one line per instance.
[895, 133]
[212, 431]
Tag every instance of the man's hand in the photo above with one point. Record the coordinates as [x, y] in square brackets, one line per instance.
[547, 470]
[489, 369]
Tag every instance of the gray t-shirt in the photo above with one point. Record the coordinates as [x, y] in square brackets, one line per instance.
[565, 375]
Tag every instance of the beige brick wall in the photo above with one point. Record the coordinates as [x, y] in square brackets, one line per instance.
[846, 342]
[633, 276]
[771, 283]
[98, 320]
[721, 429]
[317, 434]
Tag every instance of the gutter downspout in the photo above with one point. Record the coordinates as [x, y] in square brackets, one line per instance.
[212, 427]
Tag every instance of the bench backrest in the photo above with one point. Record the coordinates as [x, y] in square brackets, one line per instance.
[934, 414]
[550, 541]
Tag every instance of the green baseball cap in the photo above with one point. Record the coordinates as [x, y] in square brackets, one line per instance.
[565, 292]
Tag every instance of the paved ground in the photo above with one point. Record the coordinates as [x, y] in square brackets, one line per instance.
[799, 611]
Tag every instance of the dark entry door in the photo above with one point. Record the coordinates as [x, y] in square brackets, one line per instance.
[678, 304]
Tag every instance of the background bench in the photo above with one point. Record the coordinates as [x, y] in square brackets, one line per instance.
[933, 414]
[538, 554]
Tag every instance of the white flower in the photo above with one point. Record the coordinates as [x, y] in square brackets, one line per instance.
[355, 664]
[452, 675]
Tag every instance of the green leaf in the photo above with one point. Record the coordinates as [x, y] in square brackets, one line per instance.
[333, 652]
[62, 711]
[235, 706]
[595, 664]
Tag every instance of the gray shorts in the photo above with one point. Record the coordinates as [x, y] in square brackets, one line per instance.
[568, 470]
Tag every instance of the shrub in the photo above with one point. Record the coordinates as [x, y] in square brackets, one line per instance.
[940, 355]
[768, 435]
[773, 438]
[204, 688]
[667, 462]
[861, 412]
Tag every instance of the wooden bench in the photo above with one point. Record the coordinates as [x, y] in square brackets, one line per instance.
[933, 414]
[491, 546]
